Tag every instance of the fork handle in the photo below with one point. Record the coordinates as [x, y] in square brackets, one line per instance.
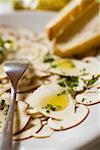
[7, 134]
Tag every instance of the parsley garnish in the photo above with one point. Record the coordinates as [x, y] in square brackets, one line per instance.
[6, 109]
[63, 92]
[69, 81]
[53, 66]
[83, 99]
[50, 107]
[48, 58]
[62, 83]
[92, 81]
[0, 124]
[2, 102]
[72, 81]
[3, 47]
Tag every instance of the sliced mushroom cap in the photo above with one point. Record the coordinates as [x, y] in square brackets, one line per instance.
[44, 132]
[44, 122]
[90, 60]
[21, 96]
[4, 106]
[72, 121]
[20, 117]
[34, 113]
[89, 97]
[6, 97]
[2, 73]
[29, 100]
[2, 119]
[34, 83]
[42, 74]
[80, 85]
[4, 88]
[32, 127]
[97, 83]
[44, 118]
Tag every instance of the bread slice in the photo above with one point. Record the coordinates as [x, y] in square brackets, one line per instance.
[72, 10]
[82, 35]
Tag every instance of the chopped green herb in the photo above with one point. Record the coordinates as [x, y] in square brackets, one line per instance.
[63, 92]
[72, 81]
[76, 108]
[84, 71]
[48, 58]
[2, 102]
[50, 107]
[4, 44]
[53, 66]
[69, 81]
[61, 127]
[92, 81]
[71, 63]
[83, 99]
[0, 124]
[62, 83]
[6, 109]
[47, 111]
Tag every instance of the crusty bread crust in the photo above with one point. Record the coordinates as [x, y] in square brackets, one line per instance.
[81, 36]
[71, 12]
[93, 42]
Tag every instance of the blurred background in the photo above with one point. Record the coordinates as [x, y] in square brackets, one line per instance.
[51, 5]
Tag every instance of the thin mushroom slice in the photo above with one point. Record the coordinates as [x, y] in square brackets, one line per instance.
[34, 113]
[6, 97]
[3, 75]
[42, 74]
[33, 126]
[30, 87]
[89, 97]
[20, 117]
[44, 118]
[80, 85]
[2, 119]
[21, 96]
[97, 84]
[4, 88]
[44, 122]
[29, 80]
[29, 100]
[90, 60]
[44, 132]
[71, 121]
[4, 106]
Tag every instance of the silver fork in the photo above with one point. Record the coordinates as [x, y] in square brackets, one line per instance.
[14, 70]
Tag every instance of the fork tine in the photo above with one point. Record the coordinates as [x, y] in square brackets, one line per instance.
[15, 70]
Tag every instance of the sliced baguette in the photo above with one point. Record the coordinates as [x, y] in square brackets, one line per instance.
[81, 36]
[73, 10]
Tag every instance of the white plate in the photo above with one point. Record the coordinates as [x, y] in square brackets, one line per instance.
[75, 138]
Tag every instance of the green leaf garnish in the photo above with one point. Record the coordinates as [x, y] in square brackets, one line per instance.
[50, 107]
[3, 47]
[92, 81]
[48, 58]
[69, 81]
